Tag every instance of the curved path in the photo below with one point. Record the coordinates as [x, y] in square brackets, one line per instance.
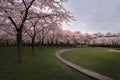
[79, 68]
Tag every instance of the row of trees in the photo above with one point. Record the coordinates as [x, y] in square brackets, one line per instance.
[108, 34]
[105, 42]
[58, 36]
[48, 36]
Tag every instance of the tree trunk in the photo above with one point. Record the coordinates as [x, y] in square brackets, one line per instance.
[33, 45]
[19, 45]
[42, 42]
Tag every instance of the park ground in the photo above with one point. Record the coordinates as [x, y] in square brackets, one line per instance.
[100, 60]
[45, 66]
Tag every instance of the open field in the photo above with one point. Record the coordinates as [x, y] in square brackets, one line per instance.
[100, 60]
[41, 66]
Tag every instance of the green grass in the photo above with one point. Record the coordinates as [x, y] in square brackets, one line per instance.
[41, 66]
[98, 60]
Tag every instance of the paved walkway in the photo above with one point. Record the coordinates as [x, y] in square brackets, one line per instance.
[79, 68]
[113, 50]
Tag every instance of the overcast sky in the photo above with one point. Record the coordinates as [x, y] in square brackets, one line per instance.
[94, 15]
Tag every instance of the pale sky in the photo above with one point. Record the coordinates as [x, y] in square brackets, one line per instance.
[94, 15]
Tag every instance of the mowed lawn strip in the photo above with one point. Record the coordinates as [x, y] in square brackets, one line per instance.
[41, 66]
[99, 60]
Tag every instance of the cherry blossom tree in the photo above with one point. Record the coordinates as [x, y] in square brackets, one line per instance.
[19, 11]
[106, 41]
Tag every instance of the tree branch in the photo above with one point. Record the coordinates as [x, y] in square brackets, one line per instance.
[12, 22]
[24, 4]
[28, 33]
[26, 14]
[7, 31]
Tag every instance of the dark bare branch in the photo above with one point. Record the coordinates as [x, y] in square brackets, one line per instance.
[7, 31]
[24, 4]
[26, 14]
[13, 22]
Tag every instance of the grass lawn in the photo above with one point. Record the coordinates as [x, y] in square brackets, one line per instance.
[97, 59]
[41, 66]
